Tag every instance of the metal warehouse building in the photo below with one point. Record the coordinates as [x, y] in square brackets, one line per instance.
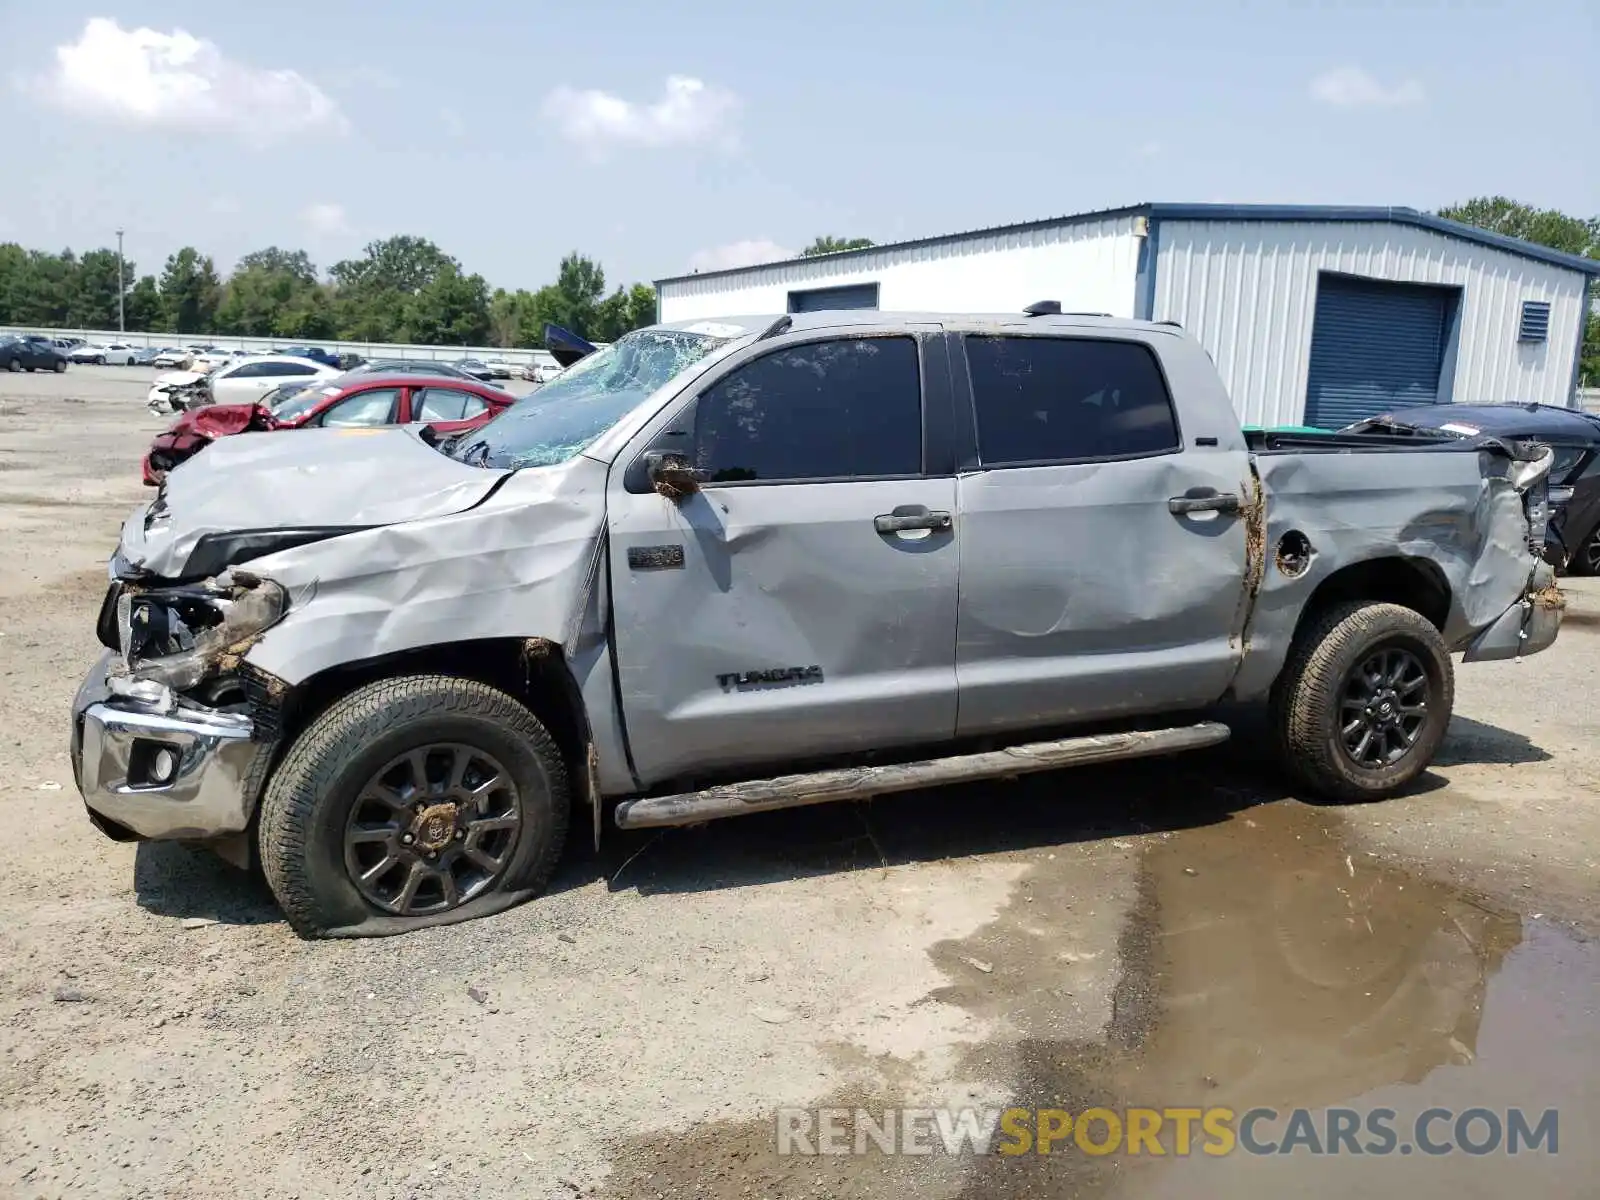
[1314, 315]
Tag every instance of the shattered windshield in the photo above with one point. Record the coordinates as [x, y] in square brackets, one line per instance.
[556, 422]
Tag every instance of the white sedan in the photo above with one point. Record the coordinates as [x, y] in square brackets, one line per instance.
[117, 354]
[245, 380]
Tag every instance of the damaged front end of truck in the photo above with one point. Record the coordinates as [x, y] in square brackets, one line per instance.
[168, 736]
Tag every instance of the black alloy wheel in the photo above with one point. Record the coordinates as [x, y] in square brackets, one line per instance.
[1383, 707]
[432, 829]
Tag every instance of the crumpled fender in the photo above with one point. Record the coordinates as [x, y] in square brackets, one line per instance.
[520, 564]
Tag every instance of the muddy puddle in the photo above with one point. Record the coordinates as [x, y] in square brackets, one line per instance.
[1265, 964]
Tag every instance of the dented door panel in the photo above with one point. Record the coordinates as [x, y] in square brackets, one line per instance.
[1083, 595]
[772, 623]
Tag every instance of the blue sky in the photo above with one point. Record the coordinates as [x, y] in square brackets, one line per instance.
[656, 137]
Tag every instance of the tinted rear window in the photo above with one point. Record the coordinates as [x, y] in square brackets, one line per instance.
[1054, 399]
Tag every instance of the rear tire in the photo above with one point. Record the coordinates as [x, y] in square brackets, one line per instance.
[335, 793]
[61, 365]
[14, 365]
[1360, 670]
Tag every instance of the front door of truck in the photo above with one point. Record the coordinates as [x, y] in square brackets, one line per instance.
[1102, 545]
[802, 602]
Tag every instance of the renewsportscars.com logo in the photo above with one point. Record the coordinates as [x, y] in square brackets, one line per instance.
[1159, 1132]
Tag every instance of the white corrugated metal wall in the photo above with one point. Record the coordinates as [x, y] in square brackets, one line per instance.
[1247, 290]
[1089, 266]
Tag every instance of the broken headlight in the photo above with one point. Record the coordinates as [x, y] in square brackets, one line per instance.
[178, 636]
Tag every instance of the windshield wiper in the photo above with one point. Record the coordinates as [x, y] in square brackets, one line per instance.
[462, 454]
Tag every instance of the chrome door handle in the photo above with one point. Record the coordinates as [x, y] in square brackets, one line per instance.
[1222, 502]
[898, 522]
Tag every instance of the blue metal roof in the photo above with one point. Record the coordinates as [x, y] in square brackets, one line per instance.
[1206, 212]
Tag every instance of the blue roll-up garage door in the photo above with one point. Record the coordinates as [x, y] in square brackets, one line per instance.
[1375, 346]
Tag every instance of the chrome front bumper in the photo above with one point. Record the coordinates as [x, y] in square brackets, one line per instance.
[115, 740]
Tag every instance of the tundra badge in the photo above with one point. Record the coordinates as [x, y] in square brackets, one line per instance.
[743, 679]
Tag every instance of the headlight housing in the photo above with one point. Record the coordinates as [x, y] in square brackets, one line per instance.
[179, 636]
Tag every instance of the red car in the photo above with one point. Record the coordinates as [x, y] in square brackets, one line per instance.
[447, 404]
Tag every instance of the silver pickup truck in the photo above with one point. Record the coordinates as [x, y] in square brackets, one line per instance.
[726, 566]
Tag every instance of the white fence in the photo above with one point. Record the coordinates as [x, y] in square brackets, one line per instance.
[267, 345]
[1589, 399]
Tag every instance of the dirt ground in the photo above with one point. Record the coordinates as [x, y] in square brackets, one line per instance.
[1177, 933]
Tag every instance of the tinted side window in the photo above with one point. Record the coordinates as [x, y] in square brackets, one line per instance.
[284, 368]
[827, 410]
[249, 371]
[1045, 399]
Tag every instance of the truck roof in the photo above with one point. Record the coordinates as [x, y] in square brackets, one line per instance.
[739, 326]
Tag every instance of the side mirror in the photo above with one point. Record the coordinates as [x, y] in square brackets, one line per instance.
[672, 475]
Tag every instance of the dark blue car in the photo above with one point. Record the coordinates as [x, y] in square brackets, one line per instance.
[313, 353]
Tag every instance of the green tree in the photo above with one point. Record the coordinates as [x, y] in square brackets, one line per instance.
[623, 311]
[190, 292]
[93, 288]
[833, 245]
[44, 293]
[275, 293]
[294, 263]
[371, 293]
[514, 319]
[450, 310]
[145, 311]
[1547, 227]
[14, 268]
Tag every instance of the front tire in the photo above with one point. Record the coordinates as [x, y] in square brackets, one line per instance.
[1364, 700]
[61, 365]
[418, 801]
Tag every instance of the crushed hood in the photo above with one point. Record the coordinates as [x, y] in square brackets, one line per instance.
[317, 479]
[222, 420]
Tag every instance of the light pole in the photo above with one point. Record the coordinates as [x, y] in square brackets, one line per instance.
[122, 319]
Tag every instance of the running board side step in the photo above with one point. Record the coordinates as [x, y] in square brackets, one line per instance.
[857, 783]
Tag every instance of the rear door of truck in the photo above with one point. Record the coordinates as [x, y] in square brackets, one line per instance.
[1103, 502]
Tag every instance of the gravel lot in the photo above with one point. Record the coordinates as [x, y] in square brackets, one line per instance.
[1177, 933]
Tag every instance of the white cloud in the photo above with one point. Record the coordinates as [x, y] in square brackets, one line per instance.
[1351, 87]
[689, 113]
[452, 122]
[175, 81]
[739, 254]
[1148, 149]
[325, 219]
